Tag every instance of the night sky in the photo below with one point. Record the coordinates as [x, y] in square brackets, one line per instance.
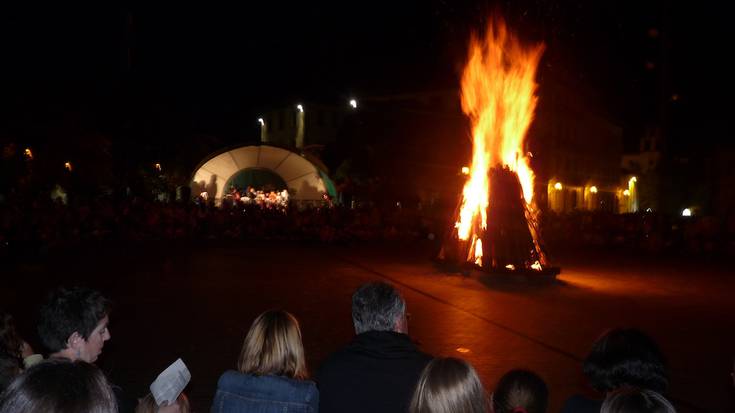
[178, 70]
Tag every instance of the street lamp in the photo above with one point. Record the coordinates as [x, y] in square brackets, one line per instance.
[558, 186]
[300, 108]
[261, 121]
[353, 103]
[593, 189]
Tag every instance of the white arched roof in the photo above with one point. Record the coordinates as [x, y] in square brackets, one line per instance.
[301, 176]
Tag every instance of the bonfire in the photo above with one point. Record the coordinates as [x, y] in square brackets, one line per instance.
[497, 227]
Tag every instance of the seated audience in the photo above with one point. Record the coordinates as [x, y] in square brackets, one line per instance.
[520, 391]
[272, 375]
[379, 369]
[633, 400]
[59, 386]
[148, 405]
[449, 385]
[621, 358]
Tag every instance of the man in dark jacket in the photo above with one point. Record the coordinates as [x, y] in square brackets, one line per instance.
[378, 370]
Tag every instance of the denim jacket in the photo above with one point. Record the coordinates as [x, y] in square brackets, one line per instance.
[238, 392]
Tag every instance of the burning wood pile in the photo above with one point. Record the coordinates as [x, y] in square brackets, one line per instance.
[496, 225]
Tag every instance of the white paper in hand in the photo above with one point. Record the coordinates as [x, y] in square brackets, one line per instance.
[169, 384]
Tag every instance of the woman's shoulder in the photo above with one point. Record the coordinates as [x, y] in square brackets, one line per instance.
[234, 378]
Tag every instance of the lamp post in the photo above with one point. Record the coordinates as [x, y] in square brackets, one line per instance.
[299, 126]
[263, 131]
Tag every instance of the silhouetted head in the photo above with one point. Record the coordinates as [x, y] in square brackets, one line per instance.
[273, 346]
[520, 391]
[59, 386]
[449, 385]
[377, 306]
[632, 400]
[626, 357]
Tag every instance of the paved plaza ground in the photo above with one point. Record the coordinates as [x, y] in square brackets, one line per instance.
[197, 302]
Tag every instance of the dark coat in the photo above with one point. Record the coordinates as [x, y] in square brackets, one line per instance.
[376, 372]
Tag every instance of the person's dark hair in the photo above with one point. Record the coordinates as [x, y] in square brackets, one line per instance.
[10, 341]
[632, 400]
[520, 389]
[10, 367]
[449, 385]
[59, 386]
[376, 306]
[626, 357]
[70, 310]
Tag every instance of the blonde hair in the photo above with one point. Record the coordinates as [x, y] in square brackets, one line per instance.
[449, 385]
[273, 346]
[148, 404]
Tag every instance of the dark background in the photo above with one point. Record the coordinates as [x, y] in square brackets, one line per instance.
[162, 74]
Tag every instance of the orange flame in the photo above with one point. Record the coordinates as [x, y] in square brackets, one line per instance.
[498, 95]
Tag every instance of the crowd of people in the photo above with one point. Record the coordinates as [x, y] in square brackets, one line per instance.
[42, 224]
[251, 196]
[380, 370]
[645, 231]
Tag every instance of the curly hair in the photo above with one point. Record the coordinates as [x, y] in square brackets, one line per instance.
[68, 311]
[376, 306]
[626, 357]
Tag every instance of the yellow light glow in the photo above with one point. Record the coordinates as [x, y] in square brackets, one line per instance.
[353, 103]
[462, 350]
[686, 212]
[510, 267]
[67, 165]
[626, 193]
[261, 121]
[300, 108]
[593, 189]
[28, 153]
[558, 186]
[157, 166]
[465, 170]
[632, 180]
[536, 266]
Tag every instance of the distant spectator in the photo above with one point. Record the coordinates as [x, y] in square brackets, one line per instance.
[59, 386]
[621, 358]
[377, 371]
[272, 375]
[148, 405]
[636, 401]
[520, 391]
[449, 385]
